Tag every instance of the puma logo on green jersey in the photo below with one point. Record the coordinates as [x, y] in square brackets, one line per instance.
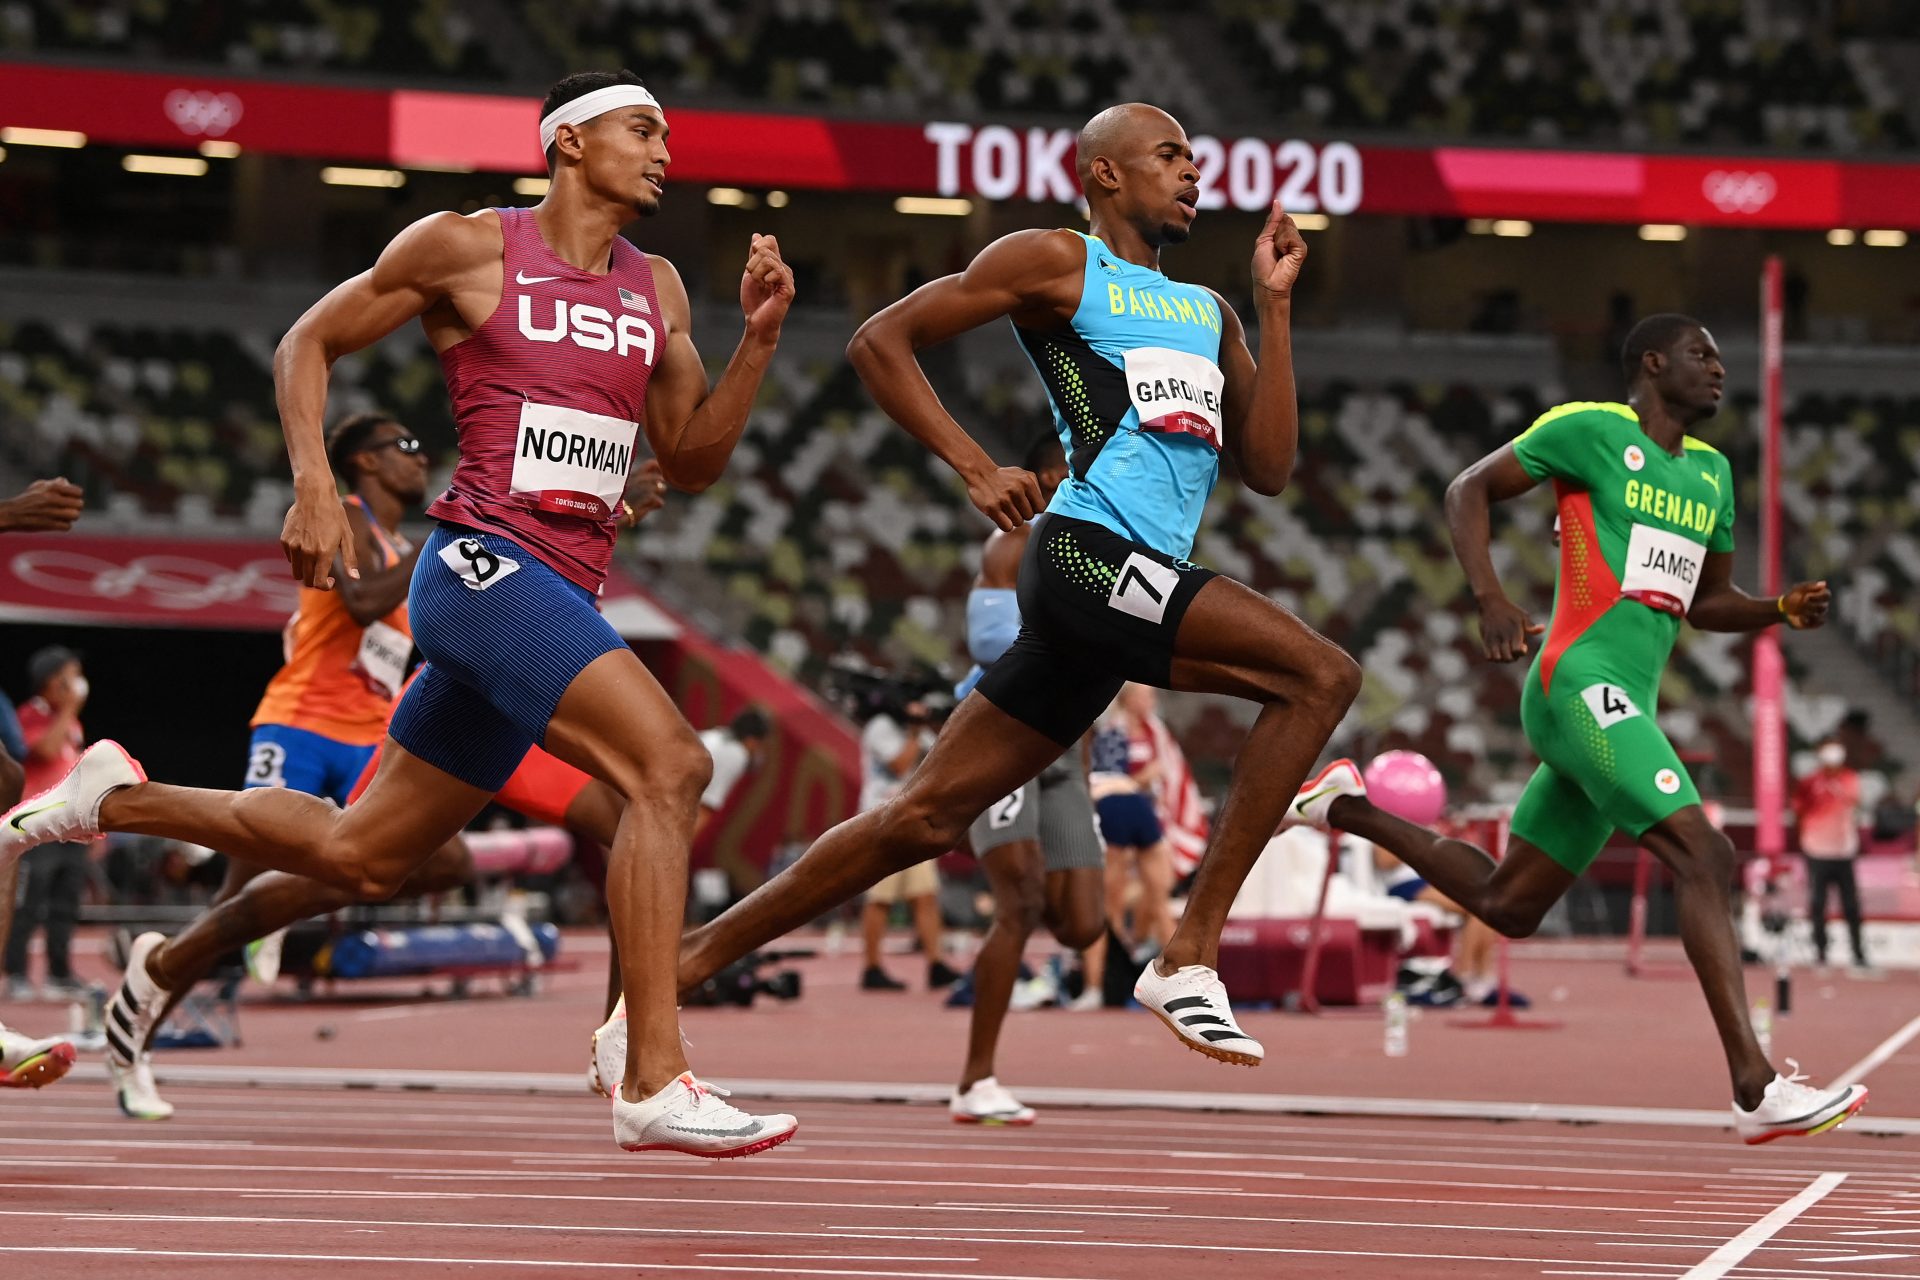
[1711, 479]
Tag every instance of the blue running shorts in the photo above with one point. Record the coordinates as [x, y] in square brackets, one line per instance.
[1127, 820]
[300, 760]
[504, 634]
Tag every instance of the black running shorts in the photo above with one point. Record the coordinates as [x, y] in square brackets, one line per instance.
[1096, 610]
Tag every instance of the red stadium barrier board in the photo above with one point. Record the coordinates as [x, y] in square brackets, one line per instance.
[109, 581]
[994, 161]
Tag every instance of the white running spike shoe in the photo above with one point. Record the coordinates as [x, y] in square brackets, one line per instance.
[690, 1117]
[26, 1063]
[1317, 794]
[134, 1088]
[1193, 1003]
[988, 1102]
[136, 1006]
[607, 1064]
[1791, 1109]
[70, 809]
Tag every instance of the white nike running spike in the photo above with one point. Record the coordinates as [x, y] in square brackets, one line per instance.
[135, 1008]
[1193, 1004]
[1317, 794]
[689, 1116]
[607, 1064]
[988, 1102]
[1791, 1109]
[70, 809]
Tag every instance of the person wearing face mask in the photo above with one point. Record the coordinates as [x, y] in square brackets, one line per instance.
[1827, 806]
[54, 874]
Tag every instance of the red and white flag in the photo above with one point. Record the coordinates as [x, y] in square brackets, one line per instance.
[1177, 797]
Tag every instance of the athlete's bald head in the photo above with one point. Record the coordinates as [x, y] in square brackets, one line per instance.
[1122, 131]
[1134, 163]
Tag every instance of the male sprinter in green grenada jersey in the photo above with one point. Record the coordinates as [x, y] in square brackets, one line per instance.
[1646, 518]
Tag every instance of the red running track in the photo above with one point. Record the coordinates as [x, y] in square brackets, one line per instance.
[276, 1182]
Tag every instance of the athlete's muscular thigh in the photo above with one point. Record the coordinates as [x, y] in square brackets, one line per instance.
[1234, 640]
[617, 724]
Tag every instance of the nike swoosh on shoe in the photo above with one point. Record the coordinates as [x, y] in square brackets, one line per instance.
[747, 1132]
[19, 818]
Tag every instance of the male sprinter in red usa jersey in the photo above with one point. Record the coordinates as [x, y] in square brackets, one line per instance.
[560, 342]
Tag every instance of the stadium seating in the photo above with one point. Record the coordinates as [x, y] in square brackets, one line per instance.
[1637, 72]
[1641, 72]
[430, 38]
[149, 420]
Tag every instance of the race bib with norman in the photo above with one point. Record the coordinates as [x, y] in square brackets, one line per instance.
[1662, 569]
[1176, 391]
[572, 462]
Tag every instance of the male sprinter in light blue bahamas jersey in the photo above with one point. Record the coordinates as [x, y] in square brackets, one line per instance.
[1150, 381]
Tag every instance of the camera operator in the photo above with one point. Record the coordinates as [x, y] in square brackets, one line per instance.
[897, 732]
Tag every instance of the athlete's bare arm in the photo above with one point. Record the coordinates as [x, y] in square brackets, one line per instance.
[1000, 558]
[444, 268]
[1718, 605]
[374, 594]
[1262, 413]
[1504, 625]
[50, 505]
[1033, 277]
[693, 428]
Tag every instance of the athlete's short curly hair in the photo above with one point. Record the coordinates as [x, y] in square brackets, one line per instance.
[1655, 333]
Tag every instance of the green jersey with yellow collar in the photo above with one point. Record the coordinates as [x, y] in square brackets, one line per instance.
[1636, 526]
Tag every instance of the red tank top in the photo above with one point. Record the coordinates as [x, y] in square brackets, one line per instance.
[548, 396]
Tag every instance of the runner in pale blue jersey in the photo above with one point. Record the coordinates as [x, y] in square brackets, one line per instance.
[1150, 381]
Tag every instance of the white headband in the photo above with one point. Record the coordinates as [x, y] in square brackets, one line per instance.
[598, 103]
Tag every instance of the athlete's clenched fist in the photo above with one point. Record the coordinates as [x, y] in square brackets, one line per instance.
[1008, 496]
[766, 288]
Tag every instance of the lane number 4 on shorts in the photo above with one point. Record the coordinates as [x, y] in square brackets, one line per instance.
[1609, 704]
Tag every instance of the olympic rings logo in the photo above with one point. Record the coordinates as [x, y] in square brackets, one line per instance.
[175, 583]
[1739, 191]
[195, 112]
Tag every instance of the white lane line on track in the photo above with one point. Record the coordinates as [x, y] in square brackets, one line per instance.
[1733, 1252]
[628, 1265]
[250, 1187]
[442, 1262]
[1035, 1206]
[568, 1084]
[963, 1233]
[791, 1156]
[837, 1257]
[405, 1106]
[1881, 1052]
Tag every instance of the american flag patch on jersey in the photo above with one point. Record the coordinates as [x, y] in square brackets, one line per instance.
[634, 302]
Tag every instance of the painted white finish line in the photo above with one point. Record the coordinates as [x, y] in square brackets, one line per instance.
[1735, 1251]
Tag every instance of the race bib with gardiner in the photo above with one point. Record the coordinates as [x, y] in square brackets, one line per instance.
[382, 660]
[1176, 391]
[1662, 569]
[571, 462]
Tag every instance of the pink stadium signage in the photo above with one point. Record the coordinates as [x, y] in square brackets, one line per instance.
[410, 128]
